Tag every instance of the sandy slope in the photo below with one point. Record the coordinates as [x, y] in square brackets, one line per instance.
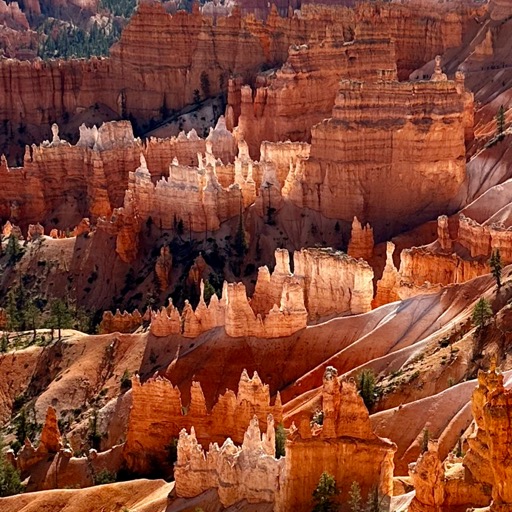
[136, 496]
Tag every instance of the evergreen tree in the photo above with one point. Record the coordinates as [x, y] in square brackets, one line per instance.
[240, 243]
[424, 440]
[500, 121]
[10, 481]
[31, 315]
[482, 312]
[496, 267]
[354, 498]
[372, 503]
[60, 316]
[13, 250]
[4, 343]
[366, 384]
[280, 441]
[209, 291]
[324, 496]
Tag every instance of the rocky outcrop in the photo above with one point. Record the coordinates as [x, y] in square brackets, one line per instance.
[483, 476]
[387, 285]
[50, 443]
[361, 241]
[249, 472]
[120, 322]
[420, 32]
[378, 135]
[428, 479]
[240, 45]
[497, 415]
[345, 435]
[158, 415]
[89, 179]
[333, 282]
[461, 252]
[324, 282]
[191, 323]
[282, 320]
[287, 103]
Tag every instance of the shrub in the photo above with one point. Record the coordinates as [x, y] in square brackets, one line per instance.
[104, 477]
[280, 441]
[366, 384]
[10, 481]
[126, 381]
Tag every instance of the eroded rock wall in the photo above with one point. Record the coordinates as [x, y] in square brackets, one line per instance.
[376, 136]
[158, 415]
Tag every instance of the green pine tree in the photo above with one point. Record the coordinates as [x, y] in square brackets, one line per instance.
[482, 312]
[280, 441]
[324, 496]
[60, 316]
[354, 498]
[500, 121]
[13, 249]
[496, 267]
[10, 481]
[366, 384]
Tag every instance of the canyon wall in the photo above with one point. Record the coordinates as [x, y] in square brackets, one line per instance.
[158, 415]
[420, 32]
[376, 136]
[89, 179]
[37, 93]
[288, 102]
[461, 252]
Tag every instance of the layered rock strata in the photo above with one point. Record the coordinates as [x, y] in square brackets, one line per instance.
[324, 283]
[249, 472]
[373, 139]
[89, 179]
[345, 435]
[461, 253]
[158, 415]
[287, 103]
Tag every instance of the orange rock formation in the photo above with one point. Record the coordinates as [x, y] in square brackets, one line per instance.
[361, 241]
[158, 415]
[485, 466]
[120, 322]
[249, 472]
[89, 179]
[338, 178]
[252, 473]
